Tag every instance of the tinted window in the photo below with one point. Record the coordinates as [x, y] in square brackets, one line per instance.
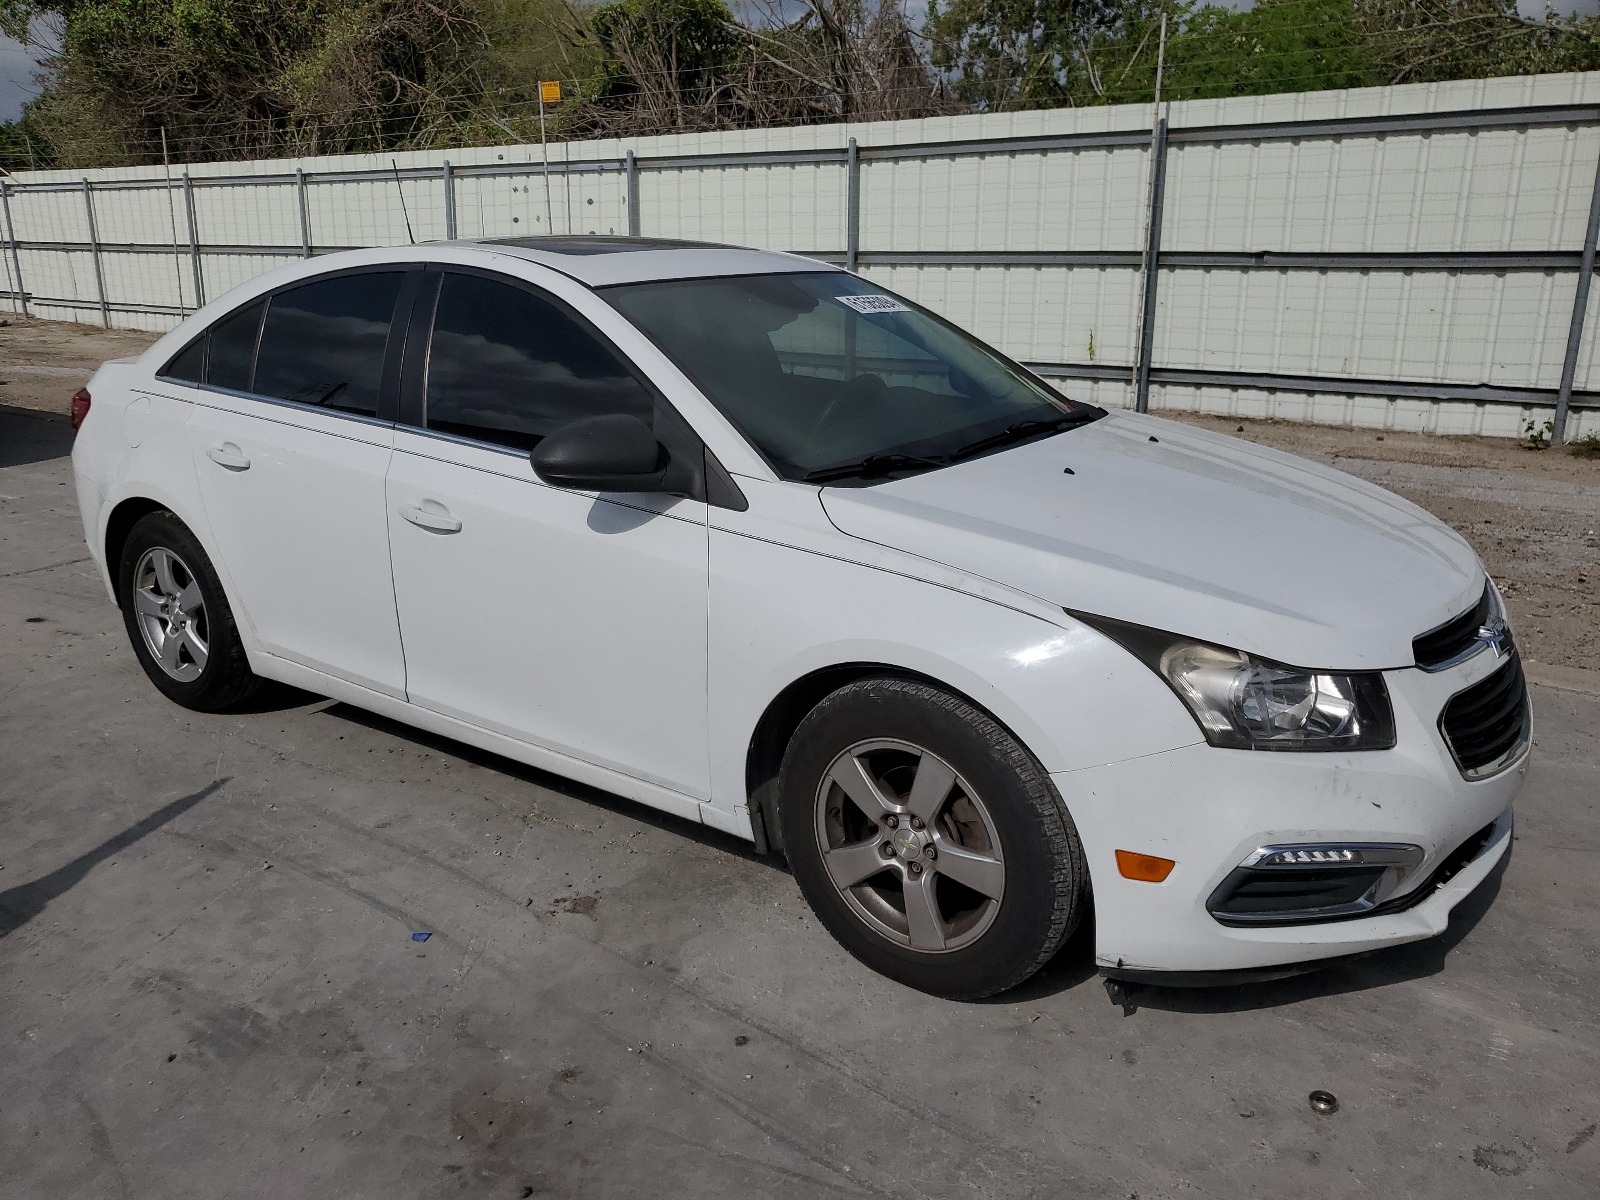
[233, 349]
[323, 342]
[509, 367]
[188, 364]
[823, 371]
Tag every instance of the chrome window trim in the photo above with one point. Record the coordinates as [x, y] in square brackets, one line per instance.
[294, 405]
[459, 440]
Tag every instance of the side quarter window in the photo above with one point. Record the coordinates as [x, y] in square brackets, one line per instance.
[189, 364]
[223, 355]
[509, 366]
[233, 348]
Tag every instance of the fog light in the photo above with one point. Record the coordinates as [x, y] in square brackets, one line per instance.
[1146, 868]
[1296, 885]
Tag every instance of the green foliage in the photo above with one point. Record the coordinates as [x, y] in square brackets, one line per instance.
[1043, 53]
[685, 47]
[248, 78]
[23, 147]
[1278, 46]
[227, 78]
[1588, 446]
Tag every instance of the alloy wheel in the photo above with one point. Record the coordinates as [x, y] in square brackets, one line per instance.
[171, 614]
[910, 846]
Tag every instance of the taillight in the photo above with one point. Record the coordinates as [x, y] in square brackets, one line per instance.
[80, 407]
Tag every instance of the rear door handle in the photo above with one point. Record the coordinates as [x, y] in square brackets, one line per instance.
[230, 456]
[431, 515]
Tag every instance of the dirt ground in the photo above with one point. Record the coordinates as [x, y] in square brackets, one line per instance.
[43, 362]
[1534, 516]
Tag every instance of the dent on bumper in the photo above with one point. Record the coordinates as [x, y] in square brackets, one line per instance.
[1206, 809]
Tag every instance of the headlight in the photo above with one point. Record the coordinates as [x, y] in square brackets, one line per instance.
[1248, 703]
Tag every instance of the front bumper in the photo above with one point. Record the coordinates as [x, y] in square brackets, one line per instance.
[1208, 809]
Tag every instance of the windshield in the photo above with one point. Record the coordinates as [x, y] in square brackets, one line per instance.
[837, 381]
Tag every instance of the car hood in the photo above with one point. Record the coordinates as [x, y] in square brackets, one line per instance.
[1193, 532]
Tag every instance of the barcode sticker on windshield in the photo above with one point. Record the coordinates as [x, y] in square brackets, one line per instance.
[874, 304]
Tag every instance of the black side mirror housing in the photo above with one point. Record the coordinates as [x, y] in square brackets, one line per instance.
[613, 453]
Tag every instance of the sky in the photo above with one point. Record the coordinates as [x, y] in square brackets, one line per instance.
[17, 61]
[16, 78]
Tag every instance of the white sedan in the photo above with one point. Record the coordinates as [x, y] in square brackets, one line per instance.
[753, 541]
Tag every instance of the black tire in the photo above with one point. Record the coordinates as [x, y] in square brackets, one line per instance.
[224, 678]
[1044, 879]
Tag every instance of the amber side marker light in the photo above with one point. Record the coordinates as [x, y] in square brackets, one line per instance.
[1146, 868]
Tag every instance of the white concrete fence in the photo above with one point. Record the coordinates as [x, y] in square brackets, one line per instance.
[1412, 257]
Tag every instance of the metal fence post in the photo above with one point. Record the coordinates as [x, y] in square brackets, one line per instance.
[447, 174]
[21, 296]
[94, 252]
[631, 199]
[194, 241]
[1152, 264]
[852, 218]
[305, 212]
[1580, 306]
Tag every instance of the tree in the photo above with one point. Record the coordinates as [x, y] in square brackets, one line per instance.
[1002, 54]
[1043, 53]
[1423, 41]
[22, 146]
[238, 77]
[671, 65]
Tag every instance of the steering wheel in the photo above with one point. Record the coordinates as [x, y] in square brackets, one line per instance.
[859, 393]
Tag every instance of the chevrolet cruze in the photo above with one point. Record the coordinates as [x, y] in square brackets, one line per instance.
[751, 540]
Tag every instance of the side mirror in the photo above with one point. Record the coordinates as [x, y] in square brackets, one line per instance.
[614, 453]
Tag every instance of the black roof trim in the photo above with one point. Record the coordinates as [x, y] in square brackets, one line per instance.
[559, 243]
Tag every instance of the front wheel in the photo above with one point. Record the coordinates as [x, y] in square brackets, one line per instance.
[927, 840]
[178, 618]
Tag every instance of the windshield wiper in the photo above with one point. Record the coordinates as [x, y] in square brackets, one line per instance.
[1023, 429]
[874, 465]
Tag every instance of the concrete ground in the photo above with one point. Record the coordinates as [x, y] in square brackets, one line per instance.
[209, 984]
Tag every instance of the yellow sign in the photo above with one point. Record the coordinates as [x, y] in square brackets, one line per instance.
[550, 91]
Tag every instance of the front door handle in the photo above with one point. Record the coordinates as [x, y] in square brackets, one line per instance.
[431, 515]
[230, 456]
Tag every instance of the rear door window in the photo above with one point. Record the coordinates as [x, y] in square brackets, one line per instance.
[508, 366]
[323, 342]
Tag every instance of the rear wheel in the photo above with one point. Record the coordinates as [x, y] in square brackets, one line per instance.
[178, 618]
[927, 840]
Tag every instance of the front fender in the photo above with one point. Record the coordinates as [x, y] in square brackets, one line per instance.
[778, 614]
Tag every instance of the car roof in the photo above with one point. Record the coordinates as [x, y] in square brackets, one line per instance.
[601, 261]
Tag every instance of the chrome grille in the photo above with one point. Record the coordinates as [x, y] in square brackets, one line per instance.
[1456, 638]
[1488, 725]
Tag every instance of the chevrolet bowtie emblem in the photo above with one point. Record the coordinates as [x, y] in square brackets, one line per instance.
[1496, 635]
